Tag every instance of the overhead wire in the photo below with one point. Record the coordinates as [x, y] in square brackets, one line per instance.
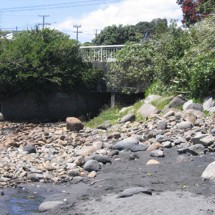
[55, 6]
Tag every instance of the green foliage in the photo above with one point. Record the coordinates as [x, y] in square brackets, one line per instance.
[151, 29]
[199, 61]
[170, 48]
[133, 70]
[115, 35]
[35, 59]
[107, 114]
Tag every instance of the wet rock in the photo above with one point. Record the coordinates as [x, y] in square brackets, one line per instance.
[45, 206]
[128, 118]
[157, 153]
[74, 124]
[209, 172]
[92, 165]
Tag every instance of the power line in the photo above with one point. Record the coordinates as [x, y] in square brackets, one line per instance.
[44, 23]
[55, 6]
[77, 32]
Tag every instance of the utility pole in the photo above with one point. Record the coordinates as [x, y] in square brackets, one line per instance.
[77, 32]
[44, 23]
[96, 32]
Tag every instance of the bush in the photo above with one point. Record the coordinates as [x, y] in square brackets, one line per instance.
[35, 59]
[199, 61]
[133, 70]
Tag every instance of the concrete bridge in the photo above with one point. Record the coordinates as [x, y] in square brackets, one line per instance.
[104, 53]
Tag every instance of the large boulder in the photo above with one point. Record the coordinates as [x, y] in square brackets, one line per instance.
[151, 98]
[209, 104]
[129, 117]
[146, 110]
[209, 172]
[74, 124]
[127, 143]
[191, 105]
[175, 102]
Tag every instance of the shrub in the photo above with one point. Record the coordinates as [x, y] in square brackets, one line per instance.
[35, 59]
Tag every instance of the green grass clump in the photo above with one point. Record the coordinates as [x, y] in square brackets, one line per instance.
[108, 114]
[161, 103]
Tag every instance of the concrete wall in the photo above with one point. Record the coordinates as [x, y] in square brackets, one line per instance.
[52, 106]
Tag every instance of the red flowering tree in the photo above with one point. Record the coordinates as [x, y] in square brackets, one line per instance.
[196, 10]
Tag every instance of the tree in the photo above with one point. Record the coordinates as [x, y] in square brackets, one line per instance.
[40, 58]
[134, 68]
[115, 35]
[196, 10]
[150, 29]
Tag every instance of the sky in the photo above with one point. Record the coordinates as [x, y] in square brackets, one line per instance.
[91, 15]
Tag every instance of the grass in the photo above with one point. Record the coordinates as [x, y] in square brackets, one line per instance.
[108, 114]
[161, 103]
[112, 115]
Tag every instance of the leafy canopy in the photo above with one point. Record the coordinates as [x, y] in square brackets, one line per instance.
[35, 59]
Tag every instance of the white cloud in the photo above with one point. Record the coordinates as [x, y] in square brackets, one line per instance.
[126, 12]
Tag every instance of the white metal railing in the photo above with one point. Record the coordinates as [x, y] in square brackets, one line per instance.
[104, 53]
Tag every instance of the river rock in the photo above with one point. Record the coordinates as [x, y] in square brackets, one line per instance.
[157, 153]
[126, 144]
[184, 125]
[29, 149]
[147, 109]
[101, 159]
[204, 139]
[175, 102]
[45, 206]
[197, 149]
[209, 172]
[161, 125]
[92, 165]
[132, 191]
[74, 124]
[191, 105]
[152, 162]
[129, 117]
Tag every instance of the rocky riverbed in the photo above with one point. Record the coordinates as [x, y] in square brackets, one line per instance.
[167, 152]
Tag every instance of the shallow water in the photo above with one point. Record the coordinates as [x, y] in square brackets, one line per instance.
[24, 202]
